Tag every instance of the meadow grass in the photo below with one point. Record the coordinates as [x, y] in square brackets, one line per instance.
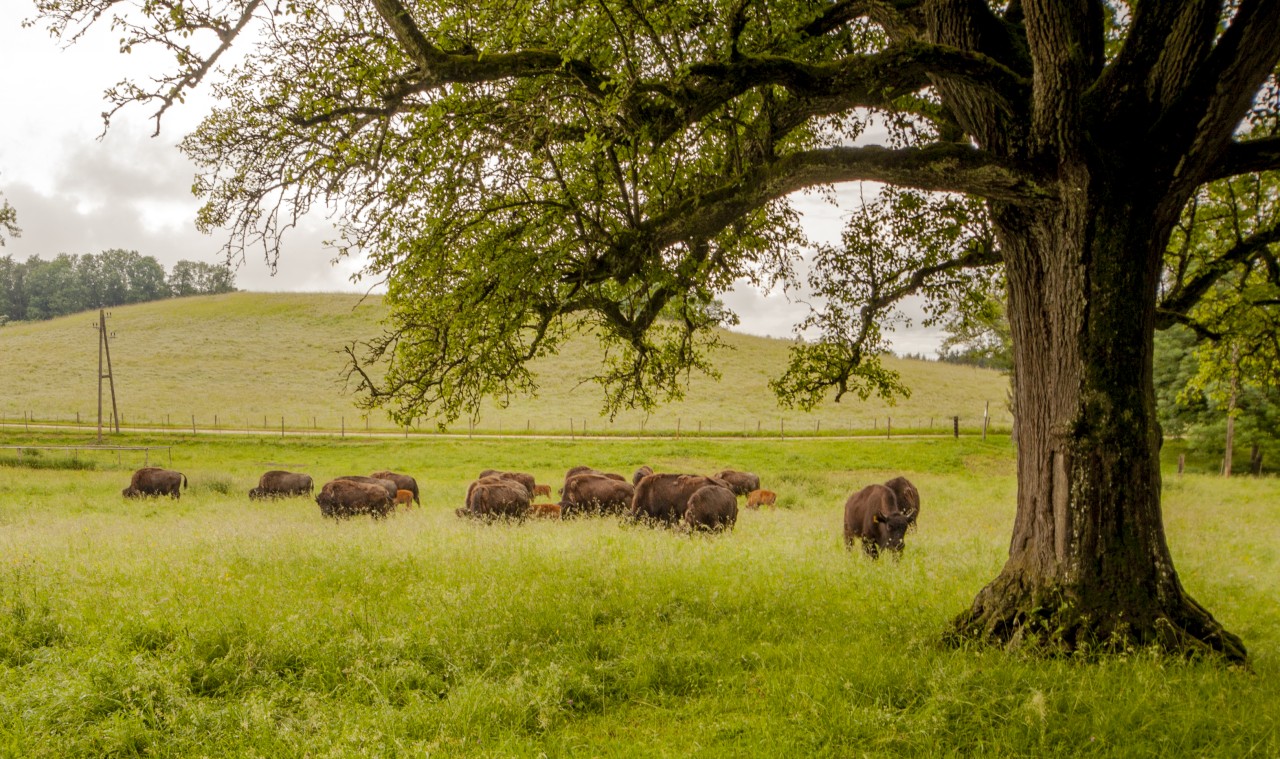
[246, 360]
[219, 626]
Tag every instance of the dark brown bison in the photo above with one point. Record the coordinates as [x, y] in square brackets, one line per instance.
[641, 473]
[345, 497]
[524, 479]
[665, 497]
[757, 498]
[711, 507]
[908, 497]
[277, 484]
[494, 497]
[873, 515]
[387, 485]
[577, 470]
[590, 493]
[402, 481]
[152, 480]
[741, 483]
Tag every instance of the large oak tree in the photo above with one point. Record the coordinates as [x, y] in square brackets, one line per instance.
[518, 171]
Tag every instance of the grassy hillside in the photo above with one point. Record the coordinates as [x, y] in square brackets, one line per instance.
[251, 358]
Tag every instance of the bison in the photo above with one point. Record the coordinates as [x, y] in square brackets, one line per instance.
[757, 498]
[152, 480]
[908, 497]
[387, 485]
[402, 481]
[711, 507]
[524, 479]
[345, 497]
[665, 497]
[641, 473]
[404, 498]
[544, 490]
[873, 515]
[493, 497]
[741, 483]
[276, 484]
[589, 493]
[577, 470]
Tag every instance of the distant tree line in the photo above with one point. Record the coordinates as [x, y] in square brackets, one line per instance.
[37, 289]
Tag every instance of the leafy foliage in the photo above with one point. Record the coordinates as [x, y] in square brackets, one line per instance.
[8, 219]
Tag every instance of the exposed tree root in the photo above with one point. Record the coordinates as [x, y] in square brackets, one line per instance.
[1054, 620]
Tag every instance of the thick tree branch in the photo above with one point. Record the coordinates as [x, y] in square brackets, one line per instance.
[1221, 91]
[1248, 157]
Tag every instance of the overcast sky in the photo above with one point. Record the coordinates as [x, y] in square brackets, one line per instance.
[76, 193]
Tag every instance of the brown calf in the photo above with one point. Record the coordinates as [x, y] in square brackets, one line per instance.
[756, 498]
[546, 510]
[404, 498]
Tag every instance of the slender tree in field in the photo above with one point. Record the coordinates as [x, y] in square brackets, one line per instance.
[520, 171]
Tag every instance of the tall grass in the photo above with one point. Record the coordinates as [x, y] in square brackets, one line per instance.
[214, 625]
[248, 361]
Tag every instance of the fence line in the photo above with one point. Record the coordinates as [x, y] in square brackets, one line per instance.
[677, 426]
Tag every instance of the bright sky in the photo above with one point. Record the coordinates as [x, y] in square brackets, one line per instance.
[76, 193]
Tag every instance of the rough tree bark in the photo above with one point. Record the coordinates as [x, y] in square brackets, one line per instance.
[1089, 566]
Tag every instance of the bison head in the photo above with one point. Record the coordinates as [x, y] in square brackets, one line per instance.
[891, 528]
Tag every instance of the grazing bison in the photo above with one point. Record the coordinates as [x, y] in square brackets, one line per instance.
[589, 493]
[345, 497]
[757, 498]
[404, 498]
[741, 483]
[665, 497]
[524, 479]
[541, 490]
[641, 473]
[402, 481]
[152, 480]
[493, 497]
[277, 484]
[873, 515]
[577, 470]
[387, 485]
[711, 507]
[908, 497]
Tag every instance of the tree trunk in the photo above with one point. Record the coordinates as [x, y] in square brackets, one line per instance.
[1088, 564]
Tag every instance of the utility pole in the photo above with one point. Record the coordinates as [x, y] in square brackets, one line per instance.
[104, 350]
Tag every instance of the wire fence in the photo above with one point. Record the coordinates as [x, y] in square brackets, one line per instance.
[660, 426]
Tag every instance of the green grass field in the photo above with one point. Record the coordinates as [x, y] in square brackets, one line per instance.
[247, 360]
[215, 626]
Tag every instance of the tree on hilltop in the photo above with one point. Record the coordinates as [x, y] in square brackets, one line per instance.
[519, 172]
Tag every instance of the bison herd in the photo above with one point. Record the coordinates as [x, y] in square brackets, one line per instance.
[877, 515]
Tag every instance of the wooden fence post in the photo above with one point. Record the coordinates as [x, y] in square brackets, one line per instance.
[1182, 462]
[955, 427]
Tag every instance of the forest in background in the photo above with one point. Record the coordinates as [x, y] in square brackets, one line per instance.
[36, 289]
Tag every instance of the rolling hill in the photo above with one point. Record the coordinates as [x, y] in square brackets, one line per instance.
[250, 359]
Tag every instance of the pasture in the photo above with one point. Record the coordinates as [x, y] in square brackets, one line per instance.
[220, 626]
